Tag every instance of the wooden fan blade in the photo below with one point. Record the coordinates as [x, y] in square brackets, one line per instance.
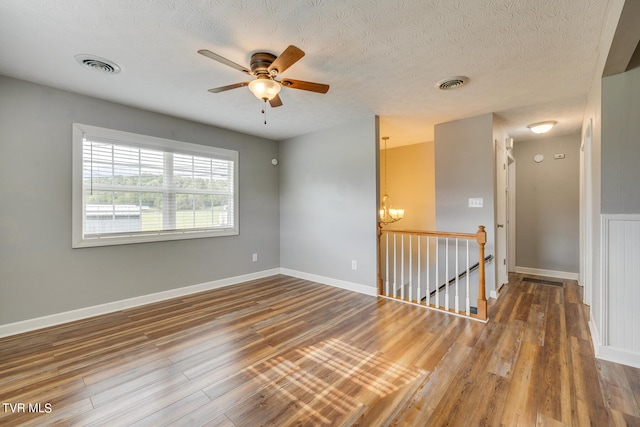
[223, 60]
[275, 102]
[233, 86]
[310, 86]
[290, 56]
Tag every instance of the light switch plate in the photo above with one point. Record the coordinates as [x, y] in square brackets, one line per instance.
[476, 202]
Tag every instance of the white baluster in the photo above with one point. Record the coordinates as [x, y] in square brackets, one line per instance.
[446, 276]
[468, 304]
[457, 303]
[402, 268]
[418, 296]
[437, 269]
[410, 267]
[428, 270]
[387, 262]
[395, 265]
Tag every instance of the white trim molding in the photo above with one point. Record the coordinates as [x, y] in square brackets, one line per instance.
[337, 283]
[549, 273]
[92, 147]
[612, 354]
[97, 310]
[616, 355]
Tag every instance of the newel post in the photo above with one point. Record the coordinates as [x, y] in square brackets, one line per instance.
[379, 258]
[481, 238]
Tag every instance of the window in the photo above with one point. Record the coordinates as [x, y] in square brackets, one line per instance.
[130, 188]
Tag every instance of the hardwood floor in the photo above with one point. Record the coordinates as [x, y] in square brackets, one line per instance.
[283, 351]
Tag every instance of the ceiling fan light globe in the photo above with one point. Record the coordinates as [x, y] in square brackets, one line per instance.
[264, 89]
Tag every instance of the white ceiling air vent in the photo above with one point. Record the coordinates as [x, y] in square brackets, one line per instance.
[99, 64]
[452, 82]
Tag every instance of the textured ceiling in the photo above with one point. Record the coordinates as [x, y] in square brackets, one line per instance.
[527, 60]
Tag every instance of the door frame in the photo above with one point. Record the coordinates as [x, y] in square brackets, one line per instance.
[501, 214]
[586, 214]
[511, 211]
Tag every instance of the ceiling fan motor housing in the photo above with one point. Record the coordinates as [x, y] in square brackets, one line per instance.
[260, 62]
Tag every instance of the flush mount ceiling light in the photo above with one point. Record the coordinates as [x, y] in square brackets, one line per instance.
[542, 127]
[99, 64]
[452, 82]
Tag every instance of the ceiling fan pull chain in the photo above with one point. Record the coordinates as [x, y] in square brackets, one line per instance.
[264, 111]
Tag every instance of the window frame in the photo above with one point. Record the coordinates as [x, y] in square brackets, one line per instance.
[142, 141]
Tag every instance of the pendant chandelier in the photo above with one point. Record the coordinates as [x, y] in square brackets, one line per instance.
[387, 214]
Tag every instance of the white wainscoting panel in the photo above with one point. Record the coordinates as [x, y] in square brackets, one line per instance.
[621, 277]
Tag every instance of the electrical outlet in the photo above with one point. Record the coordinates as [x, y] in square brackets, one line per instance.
[354, 264]
[255, 257]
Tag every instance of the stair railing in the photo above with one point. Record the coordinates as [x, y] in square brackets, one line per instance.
[400, 250]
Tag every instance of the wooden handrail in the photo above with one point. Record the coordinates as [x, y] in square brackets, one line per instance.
[480, 237]
[451, 235]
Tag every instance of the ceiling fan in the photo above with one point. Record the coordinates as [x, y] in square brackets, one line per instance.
[266, 67]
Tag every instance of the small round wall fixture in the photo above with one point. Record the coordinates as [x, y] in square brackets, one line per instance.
[274, 162]
[538, 158]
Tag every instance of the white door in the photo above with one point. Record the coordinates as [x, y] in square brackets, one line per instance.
[501, 213]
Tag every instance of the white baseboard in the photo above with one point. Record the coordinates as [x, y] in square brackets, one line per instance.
[618, 355]
[612, 354]
[342, 284]
[549, 273]
[595, 336]
[96, 310]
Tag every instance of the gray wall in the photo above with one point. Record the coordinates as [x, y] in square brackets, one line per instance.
[411, 185]
[620, 246]
[621, 143]
[548, 204]
[464, 161]
[328, 202]
[39, 272]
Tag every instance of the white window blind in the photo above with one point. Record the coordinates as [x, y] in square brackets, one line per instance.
[133, 188]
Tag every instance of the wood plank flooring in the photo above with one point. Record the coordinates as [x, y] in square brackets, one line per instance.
[283, 351]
